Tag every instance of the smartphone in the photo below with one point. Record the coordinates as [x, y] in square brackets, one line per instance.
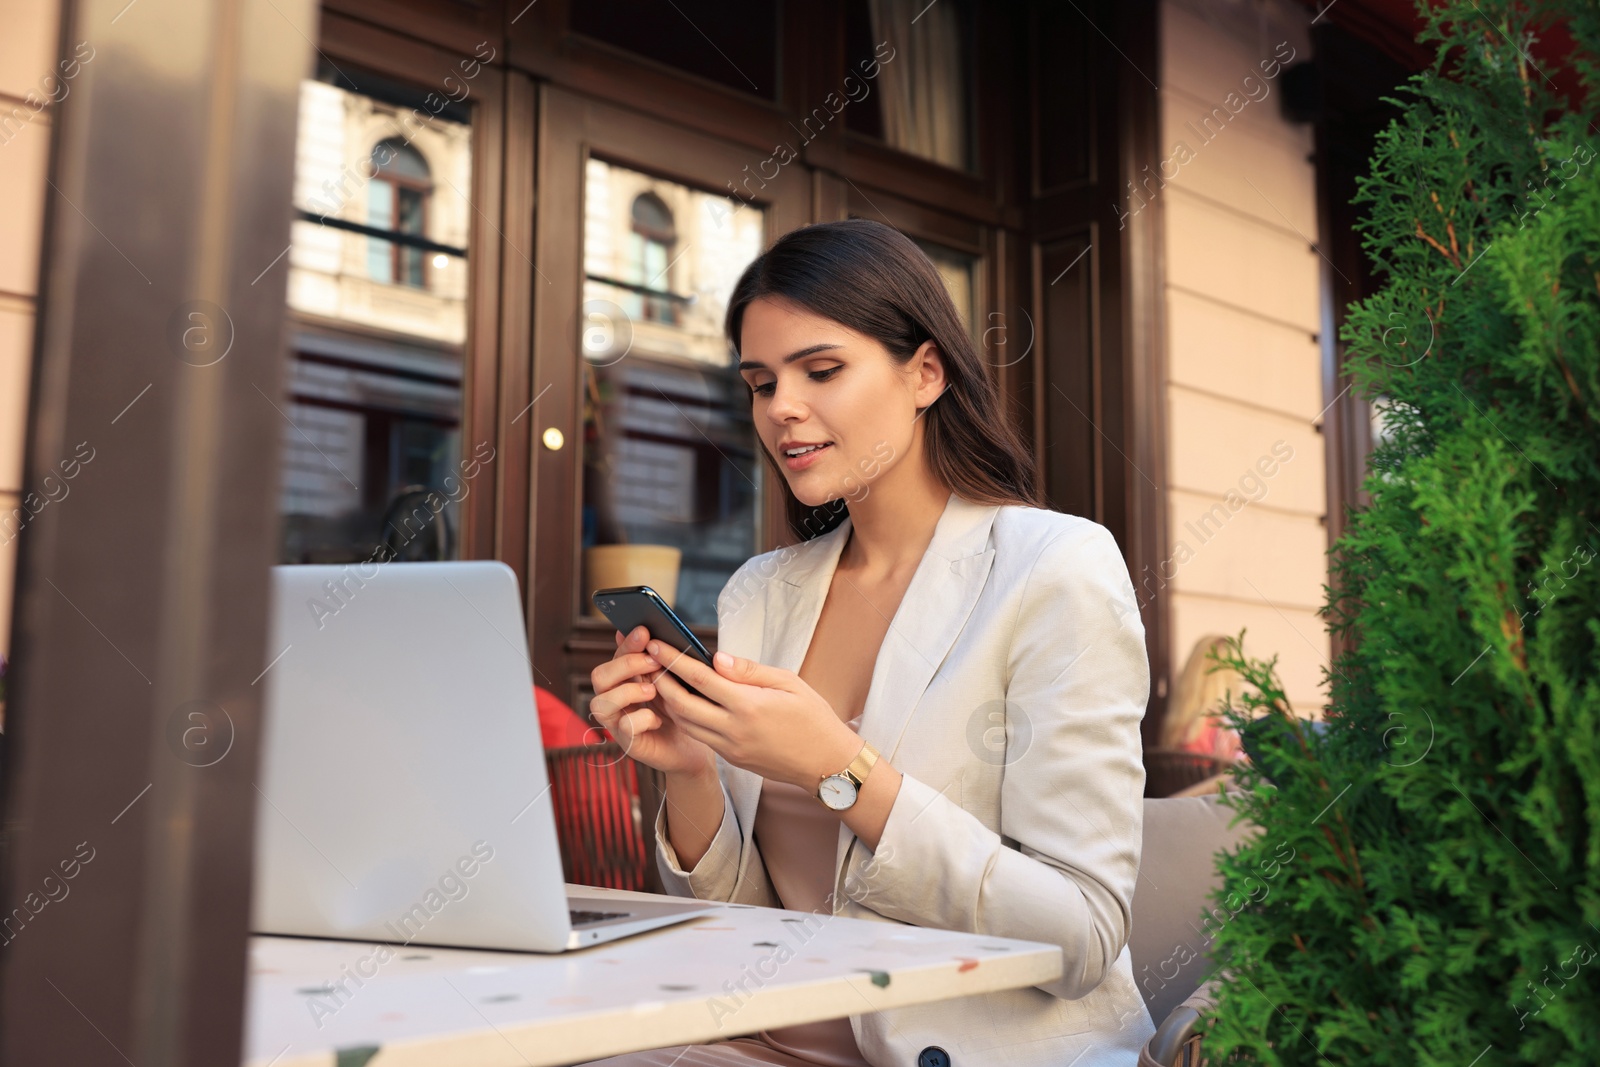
[633, 605]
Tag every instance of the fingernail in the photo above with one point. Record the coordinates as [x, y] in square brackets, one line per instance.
[723, 660]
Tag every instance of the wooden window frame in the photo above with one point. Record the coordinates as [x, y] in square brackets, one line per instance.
[396, 55]
[567, 643]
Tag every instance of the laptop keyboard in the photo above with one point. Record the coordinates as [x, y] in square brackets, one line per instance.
[581, 917]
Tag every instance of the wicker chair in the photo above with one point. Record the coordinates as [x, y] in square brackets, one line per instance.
[601, 800]
[1169, 771]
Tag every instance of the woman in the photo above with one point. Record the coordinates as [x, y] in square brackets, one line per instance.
[971, 658]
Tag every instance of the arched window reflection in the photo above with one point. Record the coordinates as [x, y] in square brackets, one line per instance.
[650, 254]
[397, 200]
[670, 456]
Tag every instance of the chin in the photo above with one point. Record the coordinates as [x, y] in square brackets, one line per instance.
[809, 497]
[814, 496]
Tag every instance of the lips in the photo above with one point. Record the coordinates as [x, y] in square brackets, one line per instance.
[798, 451]
[812, 455]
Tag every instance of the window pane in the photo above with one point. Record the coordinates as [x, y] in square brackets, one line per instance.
[400, 158]
[910, 65]
[959, 273]
[733, 42]
[373, 464]
[410, 219]
[380, 215]
[669, 451]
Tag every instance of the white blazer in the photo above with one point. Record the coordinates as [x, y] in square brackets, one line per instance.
[1008, 691]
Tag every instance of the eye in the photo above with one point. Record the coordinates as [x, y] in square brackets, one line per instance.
[766, 388]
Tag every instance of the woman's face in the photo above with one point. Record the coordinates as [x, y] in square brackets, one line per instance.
[843, 391]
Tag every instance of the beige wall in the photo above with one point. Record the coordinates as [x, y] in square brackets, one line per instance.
[27, 61]
[1243, 374]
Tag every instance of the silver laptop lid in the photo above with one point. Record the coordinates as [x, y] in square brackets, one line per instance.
[403, 794]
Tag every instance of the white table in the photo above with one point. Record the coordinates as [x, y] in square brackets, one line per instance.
[433, 1007]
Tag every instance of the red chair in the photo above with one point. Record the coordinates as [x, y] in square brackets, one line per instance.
[594, 789]
[559, 725]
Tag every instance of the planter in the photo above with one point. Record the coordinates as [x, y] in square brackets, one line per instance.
[614, 566]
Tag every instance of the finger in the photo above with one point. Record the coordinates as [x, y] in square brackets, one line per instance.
[610, 702]
[717, 682]
[684, 706]
[749, 672]
[642, 720]
[613, 672]
[632, 641]
[713, 740]
[619, 717]
[689, 669]
[616, 700]
[634, 724]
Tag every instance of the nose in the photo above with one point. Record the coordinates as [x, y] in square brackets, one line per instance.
[782, 407]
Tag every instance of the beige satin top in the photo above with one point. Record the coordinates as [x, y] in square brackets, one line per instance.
[798, 838]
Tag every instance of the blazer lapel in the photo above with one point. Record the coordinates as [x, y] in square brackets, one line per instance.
[941, 596]
[793, 602]
[936, 604]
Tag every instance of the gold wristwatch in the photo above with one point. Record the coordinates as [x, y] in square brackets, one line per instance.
[839, 791]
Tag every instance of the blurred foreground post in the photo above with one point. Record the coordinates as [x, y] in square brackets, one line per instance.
[142, 588]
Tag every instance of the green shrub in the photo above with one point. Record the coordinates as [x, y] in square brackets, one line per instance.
[1443, 903]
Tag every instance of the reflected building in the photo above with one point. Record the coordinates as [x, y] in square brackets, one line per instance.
[669, 449]
[378, 307]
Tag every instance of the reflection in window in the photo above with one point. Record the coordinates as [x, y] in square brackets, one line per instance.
[374, 466]
[397, 200]
[669, 451]
[959, 273]
[919, 58]
[731, 42]
[649, 251]
[1378, 414]
[1388, 420]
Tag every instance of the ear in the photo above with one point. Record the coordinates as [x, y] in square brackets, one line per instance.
[928, 368]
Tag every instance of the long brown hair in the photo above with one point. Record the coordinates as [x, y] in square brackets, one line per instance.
[873, 279]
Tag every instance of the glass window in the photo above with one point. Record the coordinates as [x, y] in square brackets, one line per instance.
[959, 271]
[731, 42]
[397, 201]
[909, 76]
[373, 460]
[649, 255]
[669, 462]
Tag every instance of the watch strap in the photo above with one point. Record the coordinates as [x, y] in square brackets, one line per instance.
[862, 765]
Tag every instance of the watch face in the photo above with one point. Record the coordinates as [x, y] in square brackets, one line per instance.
[837, 791]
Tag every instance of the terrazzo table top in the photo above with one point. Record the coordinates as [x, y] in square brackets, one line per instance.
[734, 970]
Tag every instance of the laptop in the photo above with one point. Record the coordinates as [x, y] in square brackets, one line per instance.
[402, 795]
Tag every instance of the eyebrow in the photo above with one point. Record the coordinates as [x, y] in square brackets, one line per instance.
[750, 364]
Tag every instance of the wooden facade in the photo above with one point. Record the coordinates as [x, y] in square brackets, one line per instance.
[1065, 291]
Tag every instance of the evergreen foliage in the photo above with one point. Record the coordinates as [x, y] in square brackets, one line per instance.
[1442, 903]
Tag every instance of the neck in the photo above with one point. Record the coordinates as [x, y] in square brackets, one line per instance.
[892, 525]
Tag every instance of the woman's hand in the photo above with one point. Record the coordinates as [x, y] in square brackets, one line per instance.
[630, 707]
[763, 719]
